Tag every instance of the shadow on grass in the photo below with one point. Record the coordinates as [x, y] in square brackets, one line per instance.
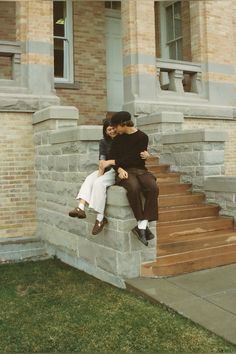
[50, 307]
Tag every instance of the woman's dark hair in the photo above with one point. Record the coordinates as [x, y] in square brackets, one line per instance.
[106, 124]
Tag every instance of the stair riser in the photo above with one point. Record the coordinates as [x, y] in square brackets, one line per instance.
[190, 266]
[180, 200]
[187, 214]
[172, 179]
[159, 168]
[174, 189]
[189, 245]
[198, 227]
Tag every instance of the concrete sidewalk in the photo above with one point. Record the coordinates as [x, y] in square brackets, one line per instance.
[207, 297]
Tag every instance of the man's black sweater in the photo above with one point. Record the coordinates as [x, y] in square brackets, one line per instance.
[126, 148]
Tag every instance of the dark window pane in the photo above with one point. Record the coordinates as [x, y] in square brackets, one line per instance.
[169, 23]
[58, 58]
[59, 16]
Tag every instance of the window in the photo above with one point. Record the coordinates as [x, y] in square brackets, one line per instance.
[114, 5]
[63, 41]
[174, 31]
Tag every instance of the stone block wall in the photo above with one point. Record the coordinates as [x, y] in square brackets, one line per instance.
[17, 187]
[227, 125]
[64, 157]
[222, 190]
[195, 154]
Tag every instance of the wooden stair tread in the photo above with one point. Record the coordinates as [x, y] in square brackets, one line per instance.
[187, 207]
[190, 266]
[163, 224]
[197, 241]
[194, 254]
[191, 235]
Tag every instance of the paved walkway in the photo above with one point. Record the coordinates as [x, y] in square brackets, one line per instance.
[207, 297]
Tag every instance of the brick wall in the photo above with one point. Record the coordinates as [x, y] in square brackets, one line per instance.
[89, 62]
[17, 187]
[8, 23]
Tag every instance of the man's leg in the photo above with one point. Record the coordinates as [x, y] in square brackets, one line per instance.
[150, 191]
[133, 188]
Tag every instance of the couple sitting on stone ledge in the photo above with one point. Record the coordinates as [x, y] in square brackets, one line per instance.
[122, 155]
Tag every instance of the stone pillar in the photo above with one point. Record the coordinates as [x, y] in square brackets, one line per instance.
[212, 45]
[34, 31]
[139, 58]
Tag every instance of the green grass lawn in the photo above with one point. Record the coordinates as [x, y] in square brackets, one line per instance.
[50, 307]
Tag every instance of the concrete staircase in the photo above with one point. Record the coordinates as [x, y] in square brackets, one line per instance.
[190, 233]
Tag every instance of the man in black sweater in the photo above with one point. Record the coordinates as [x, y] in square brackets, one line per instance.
[127, 158]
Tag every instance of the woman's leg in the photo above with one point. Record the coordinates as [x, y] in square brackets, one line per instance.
[99, 191]
[86, 188]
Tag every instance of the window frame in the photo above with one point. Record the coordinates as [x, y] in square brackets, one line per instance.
[68, 54]
[165, 51]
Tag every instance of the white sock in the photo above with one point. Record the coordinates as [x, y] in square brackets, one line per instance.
[81, 206]
[142, 224]
[100, 217]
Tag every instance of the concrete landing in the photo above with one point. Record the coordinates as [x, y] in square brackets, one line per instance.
[206, 297]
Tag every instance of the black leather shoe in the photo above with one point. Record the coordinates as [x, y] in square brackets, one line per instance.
[149, 234]
[140, 234]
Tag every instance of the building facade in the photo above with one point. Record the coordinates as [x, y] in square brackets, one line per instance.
[148, 57]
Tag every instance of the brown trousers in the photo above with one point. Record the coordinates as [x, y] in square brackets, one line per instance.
[141, 182]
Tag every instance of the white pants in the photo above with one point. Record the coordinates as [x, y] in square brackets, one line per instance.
[94, 189]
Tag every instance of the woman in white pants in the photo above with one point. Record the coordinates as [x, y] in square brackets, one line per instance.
[93, 189]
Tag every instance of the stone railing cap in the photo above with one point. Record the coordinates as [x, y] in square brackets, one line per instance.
[191, 136]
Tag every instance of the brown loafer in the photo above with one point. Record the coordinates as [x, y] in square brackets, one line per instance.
[77, 213]
[98, 226]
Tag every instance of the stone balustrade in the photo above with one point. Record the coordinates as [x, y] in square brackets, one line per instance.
[178, 77]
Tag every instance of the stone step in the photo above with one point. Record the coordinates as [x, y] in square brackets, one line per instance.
[188, 242]
[17, 249]
[193, 226]
[188, 199]
[190, 261]
[174, 188]
[187, 212]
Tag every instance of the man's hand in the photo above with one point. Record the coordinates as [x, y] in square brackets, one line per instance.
[122, 174]
[144, 155]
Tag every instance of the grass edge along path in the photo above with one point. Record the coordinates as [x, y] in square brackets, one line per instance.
[49, 307]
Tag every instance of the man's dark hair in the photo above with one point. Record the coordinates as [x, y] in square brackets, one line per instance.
[120, 117]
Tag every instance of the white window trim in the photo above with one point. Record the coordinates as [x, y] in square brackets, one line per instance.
[164, 44]
[69, 59]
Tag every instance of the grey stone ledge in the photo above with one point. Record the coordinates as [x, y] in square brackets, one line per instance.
[80, 133]
[117, 196]
[220, 184]
[56, 112]
[162, 117]
[18, 240]
[192, 136]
